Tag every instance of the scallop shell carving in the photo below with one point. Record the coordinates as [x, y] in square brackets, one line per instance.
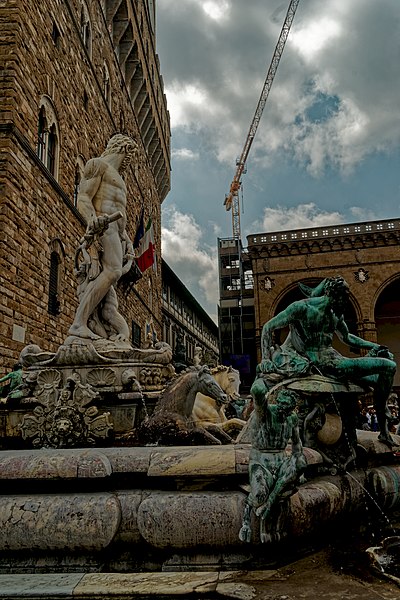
[101, 377]
[49, 377]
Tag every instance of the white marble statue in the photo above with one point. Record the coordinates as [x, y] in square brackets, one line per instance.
[105, 252]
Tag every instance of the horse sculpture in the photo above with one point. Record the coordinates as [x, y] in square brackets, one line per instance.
[171, 422]
[211, 416]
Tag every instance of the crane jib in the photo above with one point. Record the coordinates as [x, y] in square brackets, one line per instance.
[232, 199]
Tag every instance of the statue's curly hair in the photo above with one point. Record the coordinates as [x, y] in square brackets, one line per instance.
[118, 142]
[335, 286]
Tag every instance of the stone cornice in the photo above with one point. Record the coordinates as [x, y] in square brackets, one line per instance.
[355, 236]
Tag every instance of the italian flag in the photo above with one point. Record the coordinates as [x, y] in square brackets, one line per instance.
[146, 254]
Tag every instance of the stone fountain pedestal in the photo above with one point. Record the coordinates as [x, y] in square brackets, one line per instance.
[166, 509]
[87, 393]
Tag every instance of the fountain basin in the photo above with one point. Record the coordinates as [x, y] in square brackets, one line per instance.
[120, 509]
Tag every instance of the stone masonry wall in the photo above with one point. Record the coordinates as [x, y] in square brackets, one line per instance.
[37, 214]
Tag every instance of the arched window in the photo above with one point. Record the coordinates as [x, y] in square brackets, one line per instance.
[54, 303]
[57, 255]
[77, 180]
[86, 29]
[41, 143]
[52, 148]
[48, 136]
[136, 334]
[55, 35]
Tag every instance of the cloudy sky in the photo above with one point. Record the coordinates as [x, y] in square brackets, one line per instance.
[328, 145]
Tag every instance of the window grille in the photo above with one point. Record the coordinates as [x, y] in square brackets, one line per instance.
[51, 150]
[136, 334]
[54, 303]
[41, 142]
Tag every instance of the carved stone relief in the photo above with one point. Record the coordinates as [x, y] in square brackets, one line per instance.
[63, 418]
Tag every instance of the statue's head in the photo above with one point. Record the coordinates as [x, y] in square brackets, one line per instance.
[122, 144]
[286, 401]
[338, 290]
[335, 287]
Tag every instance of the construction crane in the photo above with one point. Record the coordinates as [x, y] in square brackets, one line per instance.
[232, 199]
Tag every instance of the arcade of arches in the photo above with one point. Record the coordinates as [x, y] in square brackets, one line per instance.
[367, 255]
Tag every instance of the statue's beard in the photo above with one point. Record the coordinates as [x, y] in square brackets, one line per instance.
[339, 305]
[125, 164]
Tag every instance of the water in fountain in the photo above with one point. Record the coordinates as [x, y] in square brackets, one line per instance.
[146, 412]
[371, 497]
[386, 552]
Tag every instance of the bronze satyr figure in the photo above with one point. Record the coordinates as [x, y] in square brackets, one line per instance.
[308, 347]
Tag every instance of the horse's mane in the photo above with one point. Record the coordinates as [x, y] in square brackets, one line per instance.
[220, 368]
[177, 377]
[179, 380]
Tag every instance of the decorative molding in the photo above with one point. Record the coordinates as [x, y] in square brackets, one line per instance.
[283, 244]
[361, 275]
[64, 417]
[266, 284]
[265, 265]
[101, 377]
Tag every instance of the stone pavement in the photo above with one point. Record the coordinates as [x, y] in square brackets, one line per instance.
[127, 585]
[309, 578]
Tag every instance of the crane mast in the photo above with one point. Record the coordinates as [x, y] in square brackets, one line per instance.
[232, 199]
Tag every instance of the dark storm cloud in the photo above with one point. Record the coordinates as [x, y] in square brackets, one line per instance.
[333, 107]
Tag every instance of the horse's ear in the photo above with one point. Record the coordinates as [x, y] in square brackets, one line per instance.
[313, 292]
[205, 369]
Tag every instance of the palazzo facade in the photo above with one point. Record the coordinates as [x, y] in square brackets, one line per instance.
[73, 73]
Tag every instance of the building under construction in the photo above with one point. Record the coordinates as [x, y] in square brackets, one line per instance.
[236, 309]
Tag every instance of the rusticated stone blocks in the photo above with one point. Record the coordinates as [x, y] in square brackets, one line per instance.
[58, 522]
